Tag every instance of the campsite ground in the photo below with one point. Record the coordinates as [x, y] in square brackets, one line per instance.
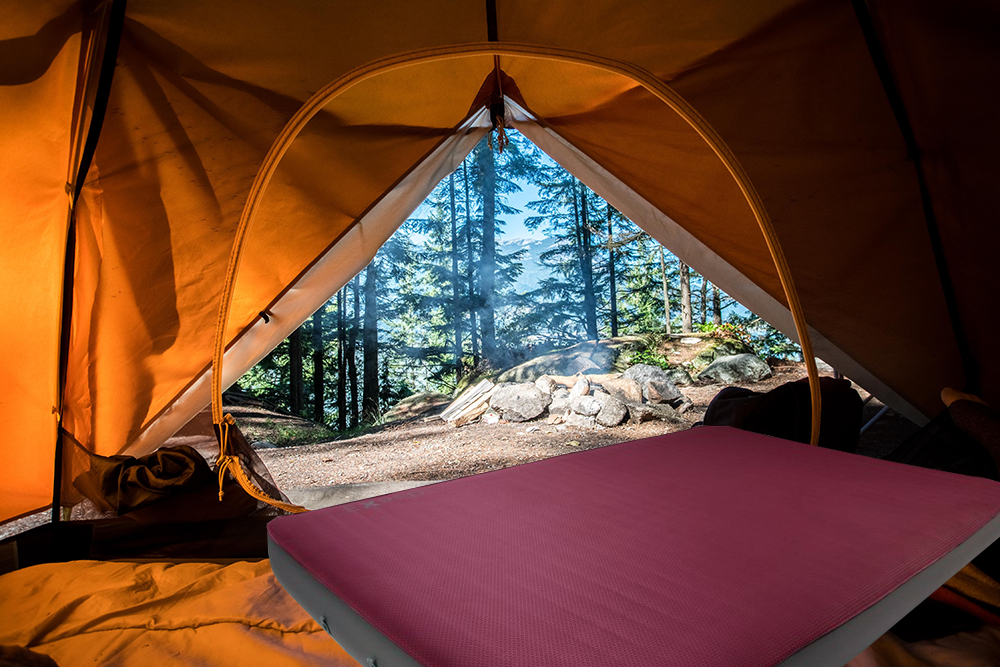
[415, 450]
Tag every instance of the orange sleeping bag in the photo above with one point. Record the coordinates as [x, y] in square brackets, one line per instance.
[124, 614]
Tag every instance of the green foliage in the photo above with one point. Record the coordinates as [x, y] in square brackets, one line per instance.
[758, 335]
[652, 358]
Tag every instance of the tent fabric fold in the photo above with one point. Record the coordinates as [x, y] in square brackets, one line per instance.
[201, 91]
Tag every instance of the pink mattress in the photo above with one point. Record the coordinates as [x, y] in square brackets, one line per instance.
[711, 547]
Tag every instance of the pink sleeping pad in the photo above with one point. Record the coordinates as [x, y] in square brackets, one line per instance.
[713, 547]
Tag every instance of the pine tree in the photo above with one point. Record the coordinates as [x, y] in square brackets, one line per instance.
[685, 278]
[455, 279]
[341, 364]
[352, 350]
[586, 255]
[370, 409]
[319, 407]
[295, 371]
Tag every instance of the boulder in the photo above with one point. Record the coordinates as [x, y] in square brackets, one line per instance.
[665, 391]
[726, 347]
[546, 384]
[656, 391]
[560, 402]
[519, 402]
[587, 357]
[736, 369]
[650, 411]
[679, 376]
[625, 390]
[581, 388]
[612, 412]
[264, 444]
[585, 405]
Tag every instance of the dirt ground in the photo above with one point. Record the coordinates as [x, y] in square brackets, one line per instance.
[418, 450]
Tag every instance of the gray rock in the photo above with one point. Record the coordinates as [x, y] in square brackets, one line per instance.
[546, 384]
[650, 411]
[613, 411]
[736, 369]
[519, 402]
[574, 419]
[590, 356]
[666, 413]
[638, 413]
[560, 402]
[264, 444]
[662, 392]
[625, 390]
[680, 376]
[722, 348]
[581, 388]
[585, 405]
[643, 373]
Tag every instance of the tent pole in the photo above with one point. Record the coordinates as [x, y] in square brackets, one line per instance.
[112, 40]
[881, 63]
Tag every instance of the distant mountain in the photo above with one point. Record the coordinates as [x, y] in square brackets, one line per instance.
[534, 270]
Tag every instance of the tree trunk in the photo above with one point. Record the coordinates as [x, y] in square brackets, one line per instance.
[369, 342]
[352, 350]
[319, 410]
[704, 300]
[685, 298]
[589, 298]
[611, 276]
[666, 293]
[716, 306]
[295, 372]
[456, 288]
[469, 272]
[488, 265]
[341, 364]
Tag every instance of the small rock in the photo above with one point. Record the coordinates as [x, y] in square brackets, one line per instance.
[546, 384]
[581, 388]
[560, 402]
[656, 391]
[625, 390]
[264, 444]
[519, 402]
[491, 417]
[638, 413]
[560, 428]
[690, 341]
[587, 406]
[736, 369]
[532, 429]
[573, 443]
[685, 405]
[554, 419]
[612, 411]
[584, 421]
